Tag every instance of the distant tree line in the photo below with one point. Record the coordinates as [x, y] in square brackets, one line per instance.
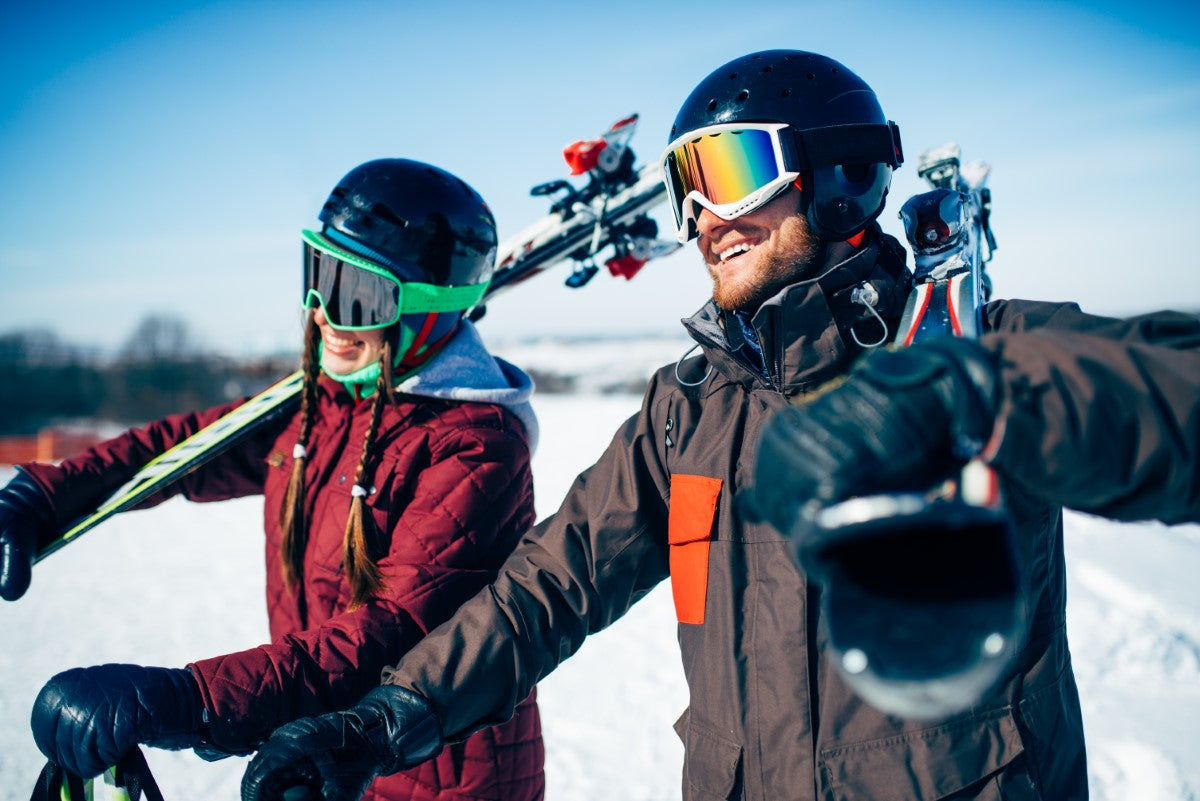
[160, 370]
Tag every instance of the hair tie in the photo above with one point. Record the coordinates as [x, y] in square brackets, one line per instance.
[299, 451]
[358, 491]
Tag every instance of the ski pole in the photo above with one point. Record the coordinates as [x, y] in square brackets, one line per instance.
[128, 780]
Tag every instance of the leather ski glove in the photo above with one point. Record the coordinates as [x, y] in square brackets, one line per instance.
[86, 719]
[25, 517]
[338, 754]
[902, 419]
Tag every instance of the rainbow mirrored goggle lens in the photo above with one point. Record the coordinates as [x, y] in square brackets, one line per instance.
[729, 169]
[356, 294]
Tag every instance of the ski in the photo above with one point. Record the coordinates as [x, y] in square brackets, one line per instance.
[191, 454]
[951, 237]
[609, 211]
[608, 215]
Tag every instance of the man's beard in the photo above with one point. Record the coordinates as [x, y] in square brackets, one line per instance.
[795, 259]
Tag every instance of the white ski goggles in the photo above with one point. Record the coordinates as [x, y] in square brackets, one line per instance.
[729, 169]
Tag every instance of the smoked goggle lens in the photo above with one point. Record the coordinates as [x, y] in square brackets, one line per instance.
[353, 293]
[723, 165]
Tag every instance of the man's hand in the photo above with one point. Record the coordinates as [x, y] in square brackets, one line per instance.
[87, 719]
[338, 754]
[25, 516]
[902, 419]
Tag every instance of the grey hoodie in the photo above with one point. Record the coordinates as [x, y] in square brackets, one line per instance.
[464, 370]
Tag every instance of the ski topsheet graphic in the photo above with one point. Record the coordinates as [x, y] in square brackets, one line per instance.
[606, 218]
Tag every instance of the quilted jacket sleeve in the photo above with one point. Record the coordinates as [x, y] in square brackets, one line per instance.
[1099, 414]
[78, 484]
[470, 505]
[573, 575]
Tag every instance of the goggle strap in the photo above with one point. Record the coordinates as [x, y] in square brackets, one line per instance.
[419, 340]
[849, 144]
[418, 298]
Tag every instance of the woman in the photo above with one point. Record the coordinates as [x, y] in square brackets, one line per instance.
[392, 496]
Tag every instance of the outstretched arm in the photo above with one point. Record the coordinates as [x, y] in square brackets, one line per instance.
[1100, 414]
[77, 485]
[44, 500]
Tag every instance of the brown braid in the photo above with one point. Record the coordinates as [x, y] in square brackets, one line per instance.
[362, 573]
[292, 525]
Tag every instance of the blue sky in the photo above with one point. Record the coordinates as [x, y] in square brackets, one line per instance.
[162, 157]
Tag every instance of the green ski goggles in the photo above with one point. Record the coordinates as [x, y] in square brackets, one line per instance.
[356, 294]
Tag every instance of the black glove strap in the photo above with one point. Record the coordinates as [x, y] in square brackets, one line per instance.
[52, 780]
[132, 773]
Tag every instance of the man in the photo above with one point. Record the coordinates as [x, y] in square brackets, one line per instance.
[778, 165]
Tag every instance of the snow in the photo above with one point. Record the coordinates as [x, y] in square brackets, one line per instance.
[183, 581]
[610, 363]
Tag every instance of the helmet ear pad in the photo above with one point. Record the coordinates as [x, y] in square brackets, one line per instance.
[841, 200]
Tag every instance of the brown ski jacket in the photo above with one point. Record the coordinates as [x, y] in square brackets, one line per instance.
[1100, 414]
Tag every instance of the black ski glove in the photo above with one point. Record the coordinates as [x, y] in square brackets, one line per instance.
[25, 517]
[86, 719]
[903, 419]
[340, 753]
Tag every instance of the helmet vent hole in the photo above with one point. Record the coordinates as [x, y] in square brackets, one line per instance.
[810, 76]
[383, 212]
[712, 105]
[785, 93]
[767, 68]
[732, 75]
[742, 96]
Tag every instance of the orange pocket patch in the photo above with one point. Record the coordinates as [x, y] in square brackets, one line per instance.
[689, 531]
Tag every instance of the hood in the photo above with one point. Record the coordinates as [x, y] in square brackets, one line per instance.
[464, 370]
[807, 330]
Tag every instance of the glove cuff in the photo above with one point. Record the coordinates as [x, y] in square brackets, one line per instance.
[25, 495]
[184, 725]
[399, 726]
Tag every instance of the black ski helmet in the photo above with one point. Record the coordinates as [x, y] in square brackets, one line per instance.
[414, 219]
[843, 145]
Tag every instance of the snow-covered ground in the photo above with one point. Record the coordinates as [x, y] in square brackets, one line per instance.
[184, 581]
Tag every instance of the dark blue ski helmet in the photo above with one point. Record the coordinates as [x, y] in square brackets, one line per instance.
[841, 143]
[419, 221]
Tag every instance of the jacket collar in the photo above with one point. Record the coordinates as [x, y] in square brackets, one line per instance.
[463, 370]
[807, 331]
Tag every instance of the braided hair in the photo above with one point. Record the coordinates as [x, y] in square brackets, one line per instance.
[362, 573]
[292, 524]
